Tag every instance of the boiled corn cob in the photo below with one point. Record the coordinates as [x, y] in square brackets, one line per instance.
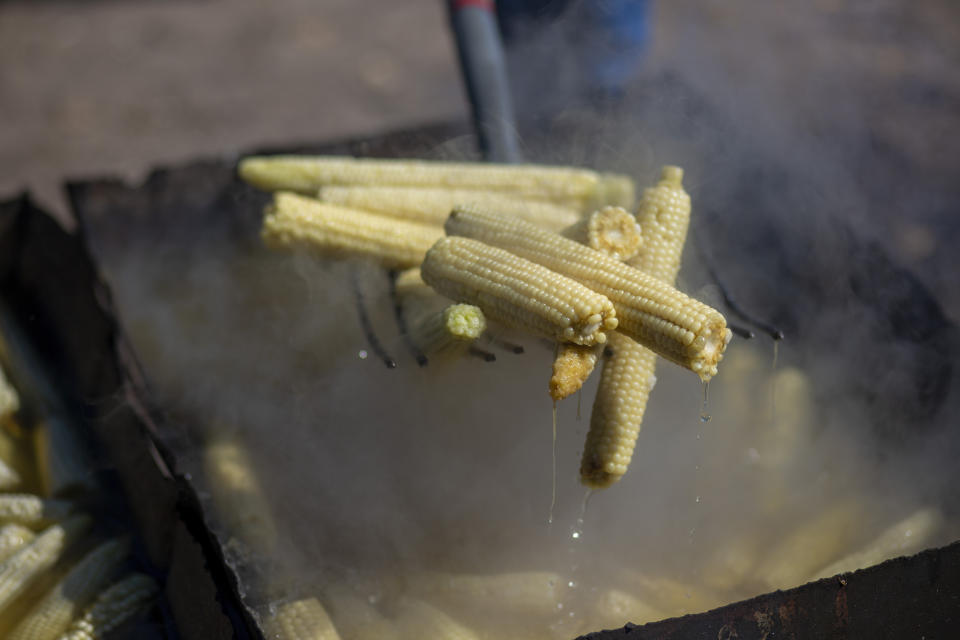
[355, 618]
[518, 292]
[21, 569]
[300, 620]
[298, 222]
[418, 620]
[610, 230]
[13, 537]
[628, 374]
[906, 537]
[430, 205]
[580, 188]
[522, 592]
[816, 543]
[117, 605]
[28, 509]
[52, 615]
[238, 496]
[571, 368]
[454, 327]
[679, 328]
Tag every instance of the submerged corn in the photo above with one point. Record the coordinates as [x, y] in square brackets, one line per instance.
[13, 537]
[24, 508]
[628, 374]
[580, 188]
[518, 292]
[677, 327]
[21, 569]
[117, 605]
[300, 620]
[522, 592]
[51, 616]
[432, 205]
[419, 620]
[610, 230]
[298, 222]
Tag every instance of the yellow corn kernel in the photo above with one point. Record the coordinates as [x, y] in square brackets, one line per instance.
[452, 328]
[816, 543]
[677, 327]
[24, 508]
[906, 537]
[629, 373]
[417, 620]
[571, 368]
[298, 222]
[430, 205]
[300, 620]
[610, 230]
[21, 569]
[571, 186]
[529, 593]
[238, 497]
[13, 537]
[63, 462]
[117, 605]
[52, 615]
[9, 399]
[517, 292]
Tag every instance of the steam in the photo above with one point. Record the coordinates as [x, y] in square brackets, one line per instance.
[376, 472]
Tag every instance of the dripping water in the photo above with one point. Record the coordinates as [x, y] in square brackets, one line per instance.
[704, 415]
[553, 496]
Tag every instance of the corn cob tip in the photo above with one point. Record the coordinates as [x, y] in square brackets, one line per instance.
[672, 175]
[710, 348]
[464, 321]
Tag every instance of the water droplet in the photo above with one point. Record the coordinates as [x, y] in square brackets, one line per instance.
[559, 605]
[571, 584]
[362, 354]
[575, 535]
[698, 499]
[704, 415]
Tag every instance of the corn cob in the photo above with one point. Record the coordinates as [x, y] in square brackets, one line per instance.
[28, 509]
[649, 310]
[580, 188]
[816, 543]
[518, 292]
[51, 616]
[610, 230]
[904, 538]
[628, 374]
[300, 620]
[13, 537]
[295, 221]
[64, 464]
[430, 205]
[21, 569]
[669, 596]
[528, 593]
[9, 478]
[418, 620]
[355, 617]
[571, 368]
[238, 497]
[117, 605]
[451, 328]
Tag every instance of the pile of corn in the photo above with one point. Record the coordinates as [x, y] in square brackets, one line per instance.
[63, 574]
[552, 251]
